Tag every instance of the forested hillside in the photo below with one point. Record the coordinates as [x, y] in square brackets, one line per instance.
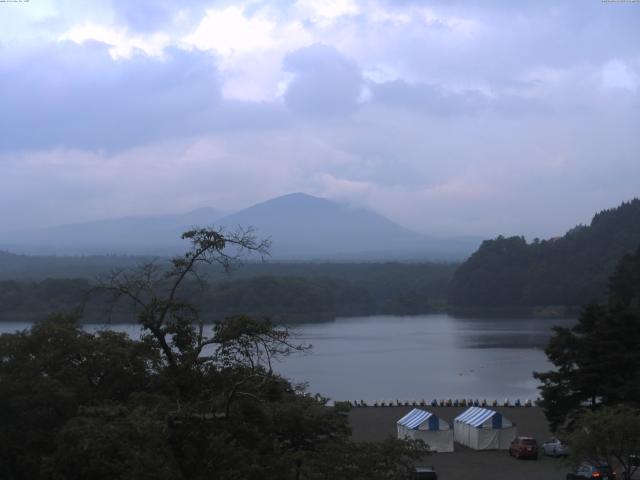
[288, 292]
[40, 267]
[571, 270]
[604, 340]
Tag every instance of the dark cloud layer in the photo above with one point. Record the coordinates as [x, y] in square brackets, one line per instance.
[449, 116]
[77, 95]
[325, 82]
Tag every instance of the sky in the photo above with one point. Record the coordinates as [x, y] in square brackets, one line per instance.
[449, 117]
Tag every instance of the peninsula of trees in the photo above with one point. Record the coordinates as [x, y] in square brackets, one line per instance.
[570, 270]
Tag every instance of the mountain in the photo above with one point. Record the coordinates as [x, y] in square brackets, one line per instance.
[302, 226]
[571, 270]
[157, 235]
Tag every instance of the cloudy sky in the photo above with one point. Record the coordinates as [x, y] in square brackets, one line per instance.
[450, 117]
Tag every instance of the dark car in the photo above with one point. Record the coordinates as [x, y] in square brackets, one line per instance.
[425, 472]
[524, 447]
[586, 470]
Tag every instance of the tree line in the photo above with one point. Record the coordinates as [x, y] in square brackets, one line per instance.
[186, 401]
[368, 290]
[570, 270]
[504, 273]
[592, 396]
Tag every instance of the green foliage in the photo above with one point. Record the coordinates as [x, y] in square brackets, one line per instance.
[109, 442]
[571, 270]
[39, 298]
[184, 402]
[49, 372]
[390, 459]
[75, 405]
[597, 361]
[291, 293]
[608, 434]
[41, 267]
[624, 285]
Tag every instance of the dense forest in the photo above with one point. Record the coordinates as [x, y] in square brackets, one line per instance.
[40, 267]
[591, 396]
[287, 292]
[505, 273]
[597, 360]
[571, 270]
[185, 402]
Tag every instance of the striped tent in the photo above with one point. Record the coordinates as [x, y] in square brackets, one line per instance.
[432, 430]
[483, 429]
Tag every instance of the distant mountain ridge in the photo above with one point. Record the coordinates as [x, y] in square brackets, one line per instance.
[570, 270]
[133, 235]
[301, 227]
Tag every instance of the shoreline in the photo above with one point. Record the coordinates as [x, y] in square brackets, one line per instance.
[532, 311]
[377, 423]
[292, 318]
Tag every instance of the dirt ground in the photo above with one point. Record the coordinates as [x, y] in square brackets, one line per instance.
[373, 424]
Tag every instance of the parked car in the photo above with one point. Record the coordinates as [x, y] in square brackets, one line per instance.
[425, 472]
[555, 448]
[524, 447]
[586, 470]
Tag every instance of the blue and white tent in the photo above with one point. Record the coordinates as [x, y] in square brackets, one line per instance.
[431, 429]
[483, 429]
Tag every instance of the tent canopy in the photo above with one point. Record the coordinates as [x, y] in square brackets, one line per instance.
[422, 425]
[418, 419]
[477, 416]
[483, 429]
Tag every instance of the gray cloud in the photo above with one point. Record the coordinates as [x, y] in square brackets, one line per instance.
[149, 16]
[73, 95]
[146, 15]
[67, 94]
[325, 82]
[508, 40]
[484, 116]
[430, 99]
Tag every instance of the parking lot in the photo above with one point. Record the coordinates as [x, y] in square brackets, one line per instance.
[373, 424]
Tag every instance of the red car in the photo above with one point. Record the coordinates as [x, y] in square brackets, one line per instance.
[524, 447]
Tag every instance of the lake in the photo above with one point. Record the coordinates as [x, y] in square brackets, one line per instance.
[413, 357]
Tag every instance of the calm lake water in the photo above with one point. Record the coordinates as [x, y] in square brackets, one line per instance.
[413, 357]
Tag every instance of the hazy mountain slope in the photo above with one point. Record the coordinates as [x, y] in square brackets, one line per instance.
[131, 235]
[571, 270]
[303, 226]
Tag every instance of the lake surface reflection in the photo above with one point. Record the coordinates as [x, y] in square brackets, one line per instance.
[414, 357]
[423, 357]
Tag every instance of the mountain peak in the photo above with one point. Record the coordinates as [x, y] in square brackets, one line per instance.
[296, 197]
[301, 226]
[304, 226]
